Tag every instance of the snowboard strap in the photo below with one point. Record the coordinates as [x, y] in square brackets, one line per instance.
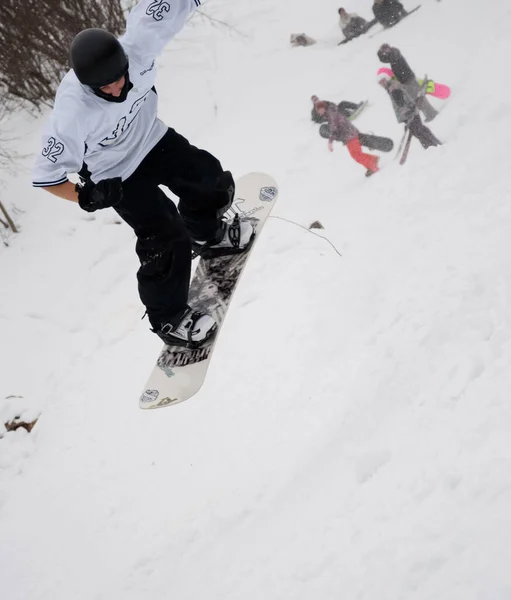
[169, 328]
[235, 232]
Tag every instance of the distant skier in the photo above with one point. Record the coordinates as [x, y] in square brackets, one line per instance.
[105, 126]
[389, 12]
[348, 109]
[406, 110]
[404, 75]
[341, 129]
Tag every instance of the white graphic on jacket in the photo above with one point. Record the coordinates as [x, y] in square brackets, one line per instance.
[125, 122]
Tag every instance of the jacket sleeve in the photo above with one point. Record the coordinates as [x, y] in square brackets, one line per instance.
[62, 149]
[153, 23]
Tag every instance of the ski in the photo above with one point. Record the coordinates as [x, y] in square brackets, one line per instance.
[406, 149]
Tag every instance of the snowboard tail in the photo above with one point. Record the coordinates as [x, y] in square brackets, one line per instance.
[357, 112]
[179, 371]
[437, 90]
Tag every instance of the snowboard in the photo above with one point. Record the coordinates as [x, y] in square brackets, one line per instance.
[437, 90]
[179, 372]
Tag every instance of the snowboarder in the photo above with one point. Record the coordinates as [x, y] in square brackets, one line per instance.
[404, 75]
[388, 12]
[348, 109]
[104, 126]
[351, 24]
[341, 129]
[406, 110]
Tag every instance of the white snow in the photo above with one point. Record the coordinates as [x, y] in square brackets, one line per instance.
[353, 436]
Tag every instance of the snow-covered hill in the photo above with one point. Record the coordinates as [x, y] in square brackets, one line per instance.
[353, 438]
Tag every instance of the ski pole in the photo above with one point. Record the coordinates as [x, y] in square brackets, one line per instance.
[404, 156]
[401, 143]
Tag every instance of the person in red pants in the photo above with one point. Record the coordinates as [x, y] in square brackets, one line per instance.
[341, 129]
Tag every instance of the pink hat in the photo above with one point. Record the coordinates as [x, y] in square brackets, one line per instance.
[384, 74]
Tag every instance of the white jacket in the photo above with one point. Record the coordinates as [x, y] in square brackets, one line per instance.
[112, 138]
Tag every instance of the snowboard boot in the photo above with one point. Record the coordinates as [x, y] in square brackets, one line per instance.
[370, 172]
[237, 237]
[192, 331]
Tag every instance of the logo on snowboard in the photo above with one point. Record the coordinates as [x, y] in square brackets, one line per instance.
[267, 194]
[149, 396]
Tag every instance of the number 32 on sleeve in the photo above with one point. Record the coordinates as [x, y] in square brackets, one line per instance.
[53, 149]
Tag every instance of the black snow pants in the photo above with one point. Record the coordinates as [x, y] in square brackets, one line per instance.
[163, 234]
[347, 108]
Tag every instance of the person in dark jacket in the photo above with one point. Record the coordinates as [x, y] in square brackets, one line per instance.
[406, 110]
[351, 24]
[404, 74]
[388, 12]
[341, 129]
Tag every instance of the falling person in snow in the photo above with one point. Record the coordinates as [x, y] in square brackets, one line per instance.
[405, 108]
[405, 76]
[348, 109]
[341, 129]
[105, 127]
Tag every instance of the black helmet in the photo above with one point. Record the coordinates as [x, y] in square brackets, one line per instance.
[97, 58]
[384, 53]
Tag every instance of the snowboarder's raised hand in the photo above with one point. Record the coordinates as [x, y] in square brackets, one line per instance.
[151, 24]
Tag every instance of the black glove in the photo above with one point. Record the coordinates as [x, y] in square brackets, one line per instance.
[198, 195]
[104, 194]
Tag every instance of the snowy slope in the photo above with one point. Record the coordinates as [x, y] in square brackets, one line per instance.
[352, 439]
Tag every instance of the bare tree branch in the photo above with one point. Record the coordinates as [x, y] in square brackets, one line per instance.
[34, 42]
[10, 222]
